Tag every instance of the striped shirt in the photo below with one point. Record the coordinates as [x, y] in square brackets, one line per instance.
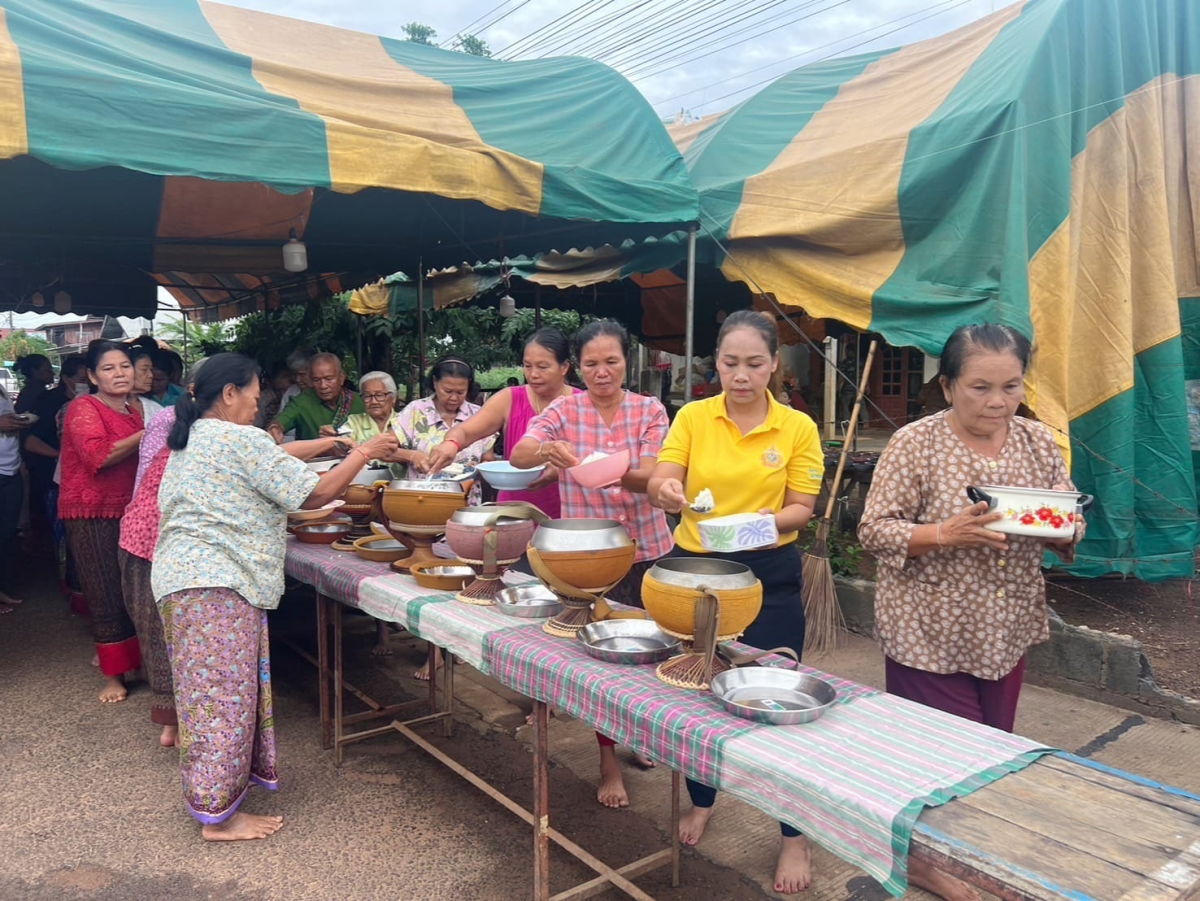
[640, 427]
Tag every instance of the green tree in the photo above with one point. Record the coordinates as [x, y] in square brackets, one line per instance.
[473, 46]
[517, 328]
[21, 344]
[419, 34]
[323, 325]
[202, 339]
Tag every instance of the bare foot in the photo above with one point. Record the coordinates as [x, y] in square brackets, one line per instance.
[95, 660]
[241, 827]
[693, 823]
[550, 714]
[10, 600]
[793, 873]
[612, 785]
[4, 609]
[641, 761]
[114, 690]
[169, 737]
[383, 636]
[941, 884]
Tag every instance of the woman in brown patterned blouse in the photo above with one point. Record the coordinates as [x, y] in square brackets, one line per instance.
[957, 605]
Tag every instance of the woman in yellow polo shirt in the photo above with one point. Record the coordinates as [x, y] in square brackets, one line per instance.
[755, 456]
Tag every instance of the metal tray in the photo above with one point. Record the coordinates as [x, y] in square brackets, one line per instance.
[532, 601]
[779, 697]
[628, 641]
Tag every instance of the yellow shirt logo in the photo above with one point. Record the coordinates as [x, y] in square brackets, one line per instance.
[772, 459]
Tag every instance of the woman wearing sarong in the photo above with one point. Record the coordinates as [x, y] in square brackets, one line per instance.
[756, 456]
[606, 419]
[101, 435]
[218, 567]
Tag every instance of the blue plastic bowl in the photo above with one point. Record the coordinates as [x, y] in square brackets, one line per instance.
[503, 475]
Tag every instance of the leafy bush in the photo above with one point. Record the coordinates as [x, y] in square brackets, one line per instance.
[845, 553]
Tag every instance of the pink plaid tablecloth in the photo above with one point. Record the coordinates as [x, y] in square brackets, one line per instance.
[854, 781]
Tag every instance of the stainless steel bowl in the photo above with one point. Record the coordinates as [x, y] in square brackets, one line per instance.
[580, 535]
[779, 697]
[324, 528]
[694, 572]
[628, 641]
[532, 601]
[449, 572]
[479, 516]
[371, 475]
[323, 464]
[444, 486]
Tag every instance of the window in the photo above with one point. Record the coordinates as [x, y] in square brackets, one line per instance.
[892, 381]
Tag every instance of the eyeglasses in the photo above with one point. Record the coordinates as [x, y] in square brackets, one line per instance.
[374, 397]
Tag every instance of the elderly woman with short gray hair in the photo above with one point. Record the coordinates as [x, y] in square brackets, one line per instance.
[378, 392]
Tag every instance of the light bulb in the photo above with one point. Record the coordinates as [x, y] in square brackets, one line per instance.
[295, 254]
[508, 306]
[62, 302]
[38, 299]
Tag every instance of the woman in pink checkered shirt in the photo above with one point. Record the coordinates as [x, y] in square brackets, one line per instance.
[606, 419]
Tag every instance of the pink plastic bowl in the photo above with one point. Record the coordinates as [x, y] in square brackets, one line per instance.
[601, 473]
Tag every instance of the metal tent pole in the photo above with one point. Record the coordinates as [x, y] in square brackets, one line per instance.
[689, 334]
[420, 322]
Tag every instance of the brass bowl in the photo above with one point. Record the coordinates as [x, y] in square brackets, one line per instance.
[670, 589]
[422, 508]
[380, 549]
[589, 570]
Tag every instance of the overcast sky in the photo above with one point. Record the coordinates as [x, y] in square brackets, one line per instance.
[697, 55]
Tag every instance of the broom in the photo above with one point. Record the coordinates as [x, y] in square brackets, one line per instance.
[824, 622]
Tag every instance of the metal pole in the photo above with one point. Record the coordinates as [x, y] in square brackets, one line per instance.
[689, 336]
[420, 322]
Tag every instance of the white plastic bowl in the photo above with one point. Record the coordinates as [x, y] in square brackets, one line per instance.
[738, 532]
[503, 475]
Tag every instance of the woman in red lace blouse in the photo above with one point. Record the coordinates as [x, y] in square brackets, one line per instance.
[99, 457]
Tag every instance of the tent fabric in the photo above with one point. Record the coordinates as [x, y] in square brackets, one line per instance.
[1034, 168]
[185, 135]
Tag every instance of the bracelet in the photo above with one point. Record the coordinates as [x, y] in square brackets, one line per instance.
[542, 451]
[365, 455]
[457, 446]
[938, 533]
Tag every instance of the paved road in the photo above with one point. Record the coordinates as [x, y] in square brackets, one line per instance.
[90, 808]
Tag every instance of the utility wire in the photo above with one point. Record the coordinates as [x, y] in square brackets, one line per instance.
[648, 70]
[633, 55]
[955, 4]
[467, 28]
[500, 18]
[617, 34]
[670, 16]
[603, 26]
[570, 17]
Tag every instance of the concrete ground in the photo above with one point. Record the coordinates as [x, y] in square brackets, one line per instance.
[90, 806]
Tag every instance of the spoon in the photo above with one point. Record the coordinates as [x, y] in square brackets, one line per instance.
[703, 503]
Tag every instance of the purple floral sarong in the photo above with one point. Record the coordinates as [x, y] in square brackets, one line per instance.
[220, 662]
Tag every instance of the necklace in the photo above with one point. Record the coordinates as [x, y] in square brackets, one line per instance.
[539, 407]
[124, 408]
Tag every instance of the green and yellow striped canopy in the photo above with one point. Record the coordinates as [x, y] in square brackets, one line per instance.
[190, 136]
[1034, 168]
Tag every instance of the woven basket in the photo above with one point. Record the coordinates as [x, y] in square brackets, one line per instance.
[673, 607]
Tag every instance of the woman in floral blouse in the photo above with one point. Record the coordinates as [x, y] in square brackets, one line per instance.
[424, 423]
[218, 567]
[957, 604]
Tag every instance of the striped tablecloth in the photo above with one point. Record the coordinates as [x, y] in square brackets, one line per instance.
[855, 781]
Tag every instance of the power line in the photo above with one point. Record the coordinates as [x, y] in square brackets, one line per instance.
[602, 40]
[571, 14]
[696, 21]
[681, 59]
[629, 54]
[466, 28]
[815, 49]
[601, 32]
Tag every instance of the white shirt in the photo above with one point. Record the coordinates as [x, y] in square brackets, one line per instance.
[10, 442]
[290, 395]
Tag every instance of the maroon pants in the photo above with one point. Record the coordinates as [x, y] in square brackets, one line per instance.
[987, 701]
